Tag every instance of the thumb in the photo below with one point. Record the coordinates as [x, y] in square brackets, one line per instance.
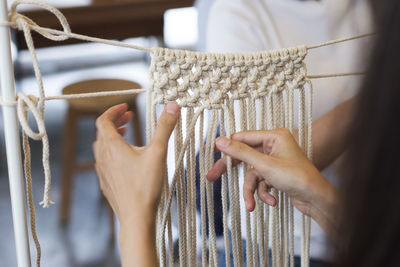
[165, 125]
[245, 153]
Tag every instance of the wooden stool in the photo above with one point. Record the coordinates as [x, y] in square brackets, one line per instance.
[90, 107]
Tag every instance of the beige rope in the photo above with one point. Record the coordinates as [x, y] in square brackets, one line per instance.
[301, 128]
[96, 94]
[283, 245]
[234, 198]
[264, 125]
[332, 75]
[251, 119]
[202, 192]
[286, 258]
[191, 191]
[290, 215]
[29, 193]
[310, 157]
[260, 204]
[341, 40]
[224, 197]
[209, 161]
[249, 244]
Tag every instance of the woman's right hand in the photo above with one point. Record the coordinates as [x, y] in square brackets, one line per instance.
[275, 160]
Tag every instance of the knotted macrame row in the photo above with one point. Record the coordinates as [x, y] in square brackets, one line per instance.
[206, 79]
[262, 87]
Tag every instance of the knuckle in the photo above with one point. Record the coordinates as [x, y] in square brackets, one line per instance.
[253, 171]
[284, 132]
[247, 189]
[157, 149]
[99, 122]
[224, 163]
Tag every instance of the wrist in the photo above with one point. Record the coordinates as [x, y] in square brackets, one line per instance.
[324, 207]
[137, 241]
[136, 228]
[138, 216]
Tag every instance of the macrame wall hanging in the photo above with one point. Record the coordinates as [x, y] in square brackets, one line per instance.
[261, 86]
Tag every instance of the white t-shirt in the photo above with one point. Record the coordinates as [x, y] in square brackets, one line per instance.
[254, 25]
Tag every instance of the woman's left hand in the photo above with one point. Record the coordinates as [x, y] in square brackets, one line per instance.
[131, 178]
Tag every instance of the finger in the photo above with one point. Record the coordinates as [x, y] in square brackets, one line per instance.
[122, 131]
[264, 195]
[165, 126]
[243, 152]
[249, 188]
[255, 138]
[114, 113]
[216, 150]
[219, 168]
[124, 119]
[106, 122]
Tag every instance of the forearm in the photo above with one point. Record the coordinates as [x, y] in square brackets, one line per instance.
[137, 242]
[330, 134]
[324, 209]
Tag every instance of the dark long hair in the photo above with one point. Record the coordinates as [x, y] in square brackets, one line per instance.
[370, 230]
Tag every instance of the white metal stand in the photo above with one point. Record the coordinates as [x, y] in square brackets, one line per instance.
[13, 147]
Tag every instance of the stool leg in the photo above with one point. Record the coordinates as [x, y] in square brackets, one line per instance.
[136, 126]
[68, 164]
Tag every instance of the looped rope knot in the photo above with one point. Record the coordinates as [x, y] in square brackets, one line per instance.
[27, 104]
[22, 22]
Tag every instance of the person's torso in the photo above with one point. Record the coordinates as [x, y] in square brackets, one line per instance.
[254, 25]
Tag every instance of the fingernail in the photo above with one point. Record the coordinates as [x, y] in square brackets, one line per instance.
[223, 141]
[172, 108]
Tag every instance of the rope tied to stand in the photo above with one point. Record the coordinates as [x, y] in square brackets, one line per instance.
[36, 104]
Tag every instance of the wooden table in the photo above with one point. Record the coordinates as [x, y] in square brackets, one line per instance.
[109, 19]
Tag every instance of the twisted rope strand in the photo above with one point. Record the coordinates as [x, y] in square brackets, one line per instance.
[202, 193]
[224, 198]
[249, 244]
[310, 157]
[29, 193]
[235, 198]
[210, 143]
[341, 40]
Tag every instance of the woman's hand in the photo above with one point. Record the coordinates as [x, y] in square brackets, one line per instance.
[275, 160]
[131, 179]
